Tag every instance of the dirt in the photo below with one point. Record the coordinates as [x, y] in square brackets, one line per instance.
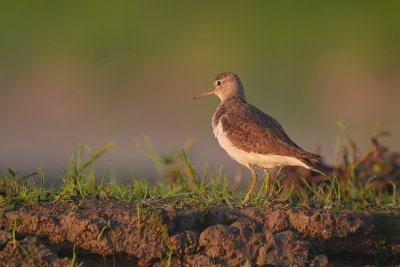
[114, 233]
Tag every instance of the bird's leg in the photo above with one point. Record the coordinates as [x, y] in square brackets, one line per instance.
[267, 179]
[253, 183]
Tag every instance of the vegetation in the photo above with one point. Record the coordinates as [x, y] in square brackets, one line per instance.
[184, 186]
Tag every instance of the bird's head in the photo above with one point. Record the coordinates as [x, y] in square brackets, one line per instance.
[226, 85]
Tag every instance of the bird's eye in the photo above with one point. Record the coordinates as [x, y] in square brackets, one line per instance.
[219, 83]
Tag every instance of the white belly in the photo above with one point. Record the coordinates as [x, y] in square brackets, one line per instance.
[250, 158]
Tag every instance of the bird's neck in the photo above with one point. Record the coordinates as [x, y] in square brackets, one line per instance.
[234, 98]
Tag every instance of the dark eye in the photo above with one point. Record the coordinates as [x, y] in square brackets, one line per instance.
[219, 83]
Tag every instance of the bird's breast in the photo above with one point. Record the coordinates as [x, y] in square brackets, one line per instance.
[250, 158]
[233, 151]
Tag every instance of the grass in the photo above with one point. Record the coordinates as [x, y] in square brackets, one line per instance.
[73, 260]
[184, 186]
[14, 233]
[107, 226]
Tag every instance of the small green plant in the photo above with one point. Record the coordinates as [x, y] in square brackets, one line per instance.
[16, 189]
[75, 207]
[73, 260]
[138, 215]
[105, 227]
[79, 182]
[169, 258]
[14, 233]
[160, 229]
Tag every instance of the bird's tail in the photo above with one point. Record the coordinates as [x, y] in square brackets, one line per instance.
[315, 164]
[322, 169]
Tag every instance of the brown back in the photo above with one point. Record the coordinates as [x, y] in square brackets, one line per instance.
[251, 130]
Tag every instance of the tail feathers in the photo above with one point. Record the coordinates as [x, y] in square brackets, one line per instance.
[315, 165]
[324, 170]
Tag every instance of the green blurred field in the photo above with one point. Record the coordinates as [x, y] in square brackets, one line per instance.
[97, 71]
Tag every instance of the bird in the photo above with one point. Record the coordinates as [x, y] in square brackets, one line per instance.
[251, 137]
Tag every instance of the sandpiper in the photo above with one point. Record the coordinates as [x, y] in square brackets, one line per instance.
[251, 137]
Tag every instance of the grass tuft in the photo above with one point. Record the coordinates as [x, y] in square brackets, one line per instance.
[182, 185]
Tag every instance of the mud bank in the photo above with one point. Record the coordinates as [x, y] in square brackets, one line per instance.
[114, 233]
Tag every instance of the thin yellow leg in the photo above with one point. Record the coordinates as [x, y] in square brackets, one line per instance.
[253, 183]
[267, 179]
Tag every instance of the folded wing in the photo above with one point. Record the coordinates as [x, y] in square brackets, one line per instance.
[254, 131]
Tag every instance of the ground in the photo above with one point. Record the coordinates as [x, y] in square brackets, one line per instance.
[302, 219]
[115, 233]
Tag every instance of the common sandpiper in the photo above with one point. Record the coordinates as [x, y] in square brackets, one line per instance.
[251, 137]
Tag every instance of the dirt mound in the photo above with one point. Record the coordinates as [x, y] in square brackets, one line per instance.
[114, 233]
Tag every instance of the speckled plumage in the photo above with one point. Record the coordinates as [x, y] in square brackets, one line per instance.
[251, 137]
[253, 131]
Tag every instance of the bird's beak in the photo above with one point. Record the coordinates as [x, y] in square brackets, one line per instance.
[211, 92]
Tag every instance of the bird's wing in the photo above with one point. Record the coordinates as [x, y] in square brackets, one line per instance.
[254, 131]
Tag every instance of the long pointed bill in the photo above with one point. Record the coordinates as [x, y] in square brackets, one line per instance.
[205, 94]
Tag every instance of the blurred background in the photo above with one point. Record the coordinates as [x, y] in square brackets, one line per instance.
[95, 71]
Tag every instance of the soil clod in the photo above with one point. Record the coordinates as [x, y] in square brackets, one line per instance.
[109, 232]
